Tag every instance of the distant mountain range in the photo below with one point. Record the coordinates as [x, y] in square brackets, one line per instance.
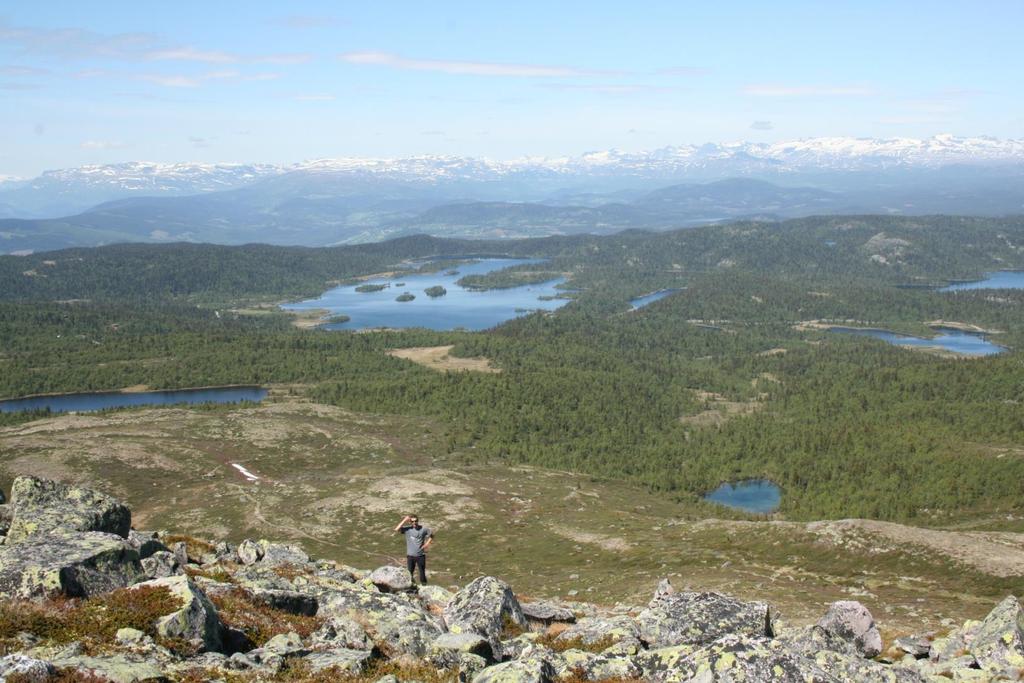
[333, 201]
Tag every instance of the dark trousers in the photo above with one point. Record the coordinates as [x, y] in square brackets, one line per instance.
[413, 562]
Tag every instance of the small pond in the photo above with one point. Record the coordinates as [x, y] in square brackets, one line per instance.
[1003, 279]
[63, 403]
[955, 341]
[642, 301]
[457, 308]
[753, 495]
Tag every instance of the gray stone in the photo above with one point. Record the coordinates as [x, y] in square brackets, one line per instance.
[595, 667]
[485, 607]
[161, 564]
[341, 633]
[284, 645]
[435, 597]
[42, 506]
[180, 551]
[345, 662]
[131, 637]
[852, 622]
[391, 579]
[292, 602]
[249, 552]
[663, 590]
[117, 668]
[30, 670]
[955, 643]
[734, 658]
[76, 565]
[146, 543]
[916, 646]
[999, 641]
[395, 623]
[698, 618]
[262, 577]
[593, 630]
[277, 554]
[195, 620]
[545, 613]
[532, 670]
[469, 665]
[6, 517]
[445, 650]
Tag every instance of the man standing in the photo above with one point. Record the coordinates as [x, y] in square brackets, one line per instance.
[417, 540]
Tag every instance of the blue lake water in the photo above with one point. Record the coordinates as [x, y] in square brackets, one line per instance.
[1003, 279]
[460, 307]
[114, 399]
[754, 495]
[642, 301]
[965, 343]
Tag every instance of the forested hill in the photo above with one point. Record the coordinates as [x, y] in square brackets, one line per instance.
[895, 250]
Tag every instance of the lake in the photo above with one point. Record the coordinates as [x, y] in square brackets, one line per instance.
[458, 308]
[642, 301]
[956, 341]
[88, 402]
[1003, 279]
[752, 495]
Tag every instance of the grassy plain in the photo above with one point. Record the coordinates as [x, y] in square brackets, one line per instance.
[336, 482]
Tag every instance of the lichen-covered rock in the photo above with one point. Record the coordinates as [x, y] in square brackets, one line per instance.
[391, 579]
[76, 565]
[292, 602]
[261, 577]
[341, 633]
[737, 658]
[532, 670]
[284, 645]
[42, 506]
[916, 646]
[28, 669]
[277, 554]
[664, 589]
[697, 618]
[852, 622]
[195, 620]
[955, 643]
[146, 543]
[6, 517]
[485, 607]
[395, 623]
[595, 667]
[592, 630]
[999, 640]
[351, 662]
[161, 564]
[249, 552]
[117, 668]
[546, 613]
[445, 650]
[434, 597]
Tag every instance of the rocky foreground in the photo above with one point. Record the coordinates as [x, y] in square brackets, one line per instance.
[84, 597]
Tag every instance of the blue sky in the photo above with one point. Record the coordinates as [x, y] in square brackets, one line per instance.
[101, 82]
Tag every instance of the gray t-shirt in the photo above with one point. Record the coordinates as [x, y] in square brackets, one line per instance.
[414, 539]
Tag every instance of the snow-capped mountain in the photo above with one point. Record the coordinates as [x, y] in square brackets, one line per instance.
[68, 191]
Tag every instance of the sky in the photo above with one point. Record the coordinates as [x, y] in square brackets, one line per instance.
[104, 82]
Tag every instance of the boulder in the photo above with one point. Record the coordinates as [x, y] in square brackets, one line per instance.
[444, 652]
[737, 658]
[916, 646]
[852, 622]
[28, 669]
[147, 543]
[698, 618]
[116, 668]
[180, 551]
[594, 667]
[284, 645]
[350, 662]
[76, 565]
[532, 670]
[395, 623]
[592, 630]
[42, 506]
[545, 613]
[341, 633]
[999, 640]
[161, 564]
[391, 579]
[249, 552]
[196, 619]
[840, 658]
[435, 597]
[277, 554]
[6, 517]
[486, 607]
[955, 643]
[291, 602]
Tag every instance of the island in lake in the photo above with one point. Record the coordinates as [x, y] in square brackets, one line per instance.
[363, 289]
[435, 291]
[408, 296]
[337, 319]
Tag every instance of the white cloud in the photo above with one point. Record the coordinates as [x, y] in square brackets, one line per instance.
[191, 54]
[762, 125]
[465, 68]
[194, 81]
[769, 90]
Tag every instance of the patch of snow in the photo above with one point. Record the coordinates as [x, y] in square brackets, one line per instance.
[245, 473]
